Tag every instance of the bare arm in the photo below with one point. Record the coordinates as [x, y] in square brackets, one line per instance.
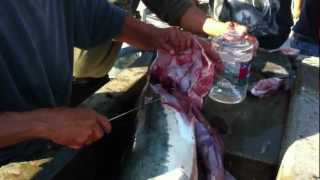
[137, 33]
[186, 14]
[74, 128]
[196, 21]
[149, 37]
[17, 127]
[14, 129]
[297, 6]
[193, 20]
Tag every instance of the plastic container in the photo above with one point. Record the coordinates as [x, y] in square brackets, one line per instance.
[236, 54]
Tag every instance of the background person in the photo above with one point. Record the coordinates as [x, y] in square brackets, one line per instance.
[269, 21]
[306, 32]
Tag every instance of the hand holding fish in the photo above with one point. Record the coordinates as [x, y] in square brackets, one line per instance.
[212, 54]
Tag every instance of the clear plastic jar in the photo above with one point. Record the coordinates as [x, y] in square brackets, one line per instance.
[236, 54]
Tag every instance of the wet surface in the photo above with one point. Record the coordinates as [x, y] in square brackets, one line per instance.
[255, 127]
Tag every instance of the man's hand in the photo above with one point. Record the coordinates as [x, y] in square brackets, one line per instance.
[216, 28]
[243, 32]
[149, 37]
[212, 55]
[171, 39]
[74, 128]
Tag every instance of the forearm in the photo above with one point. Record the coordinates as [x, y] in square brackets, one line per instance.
[137, 33]
[193, 20]
[196, 21]
[18, 127]
[297, 6]
[149, 37]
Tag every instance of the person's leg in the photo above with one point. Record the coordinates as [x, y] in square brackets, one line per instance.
[91, 68]
[95, 62]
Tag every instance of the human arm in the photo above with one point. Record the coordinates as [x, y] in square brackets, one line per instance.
[103, 22]
[297, 6]
[149, 37]
[15, 128]
[74, 128]
[186, 14]
[196, 21]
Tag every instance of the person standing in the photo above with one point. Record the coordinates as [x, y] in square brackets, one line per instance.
[306, 32]
[269, 21]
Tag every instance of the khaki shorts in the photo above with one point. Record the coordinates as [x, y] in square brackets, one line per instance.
[95, 62]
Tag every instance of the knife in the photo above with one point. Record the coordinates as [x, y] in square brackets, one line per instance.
[132, 110]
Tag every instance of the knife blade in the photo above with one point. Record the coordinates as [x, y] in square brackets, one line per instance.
[132, 110]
